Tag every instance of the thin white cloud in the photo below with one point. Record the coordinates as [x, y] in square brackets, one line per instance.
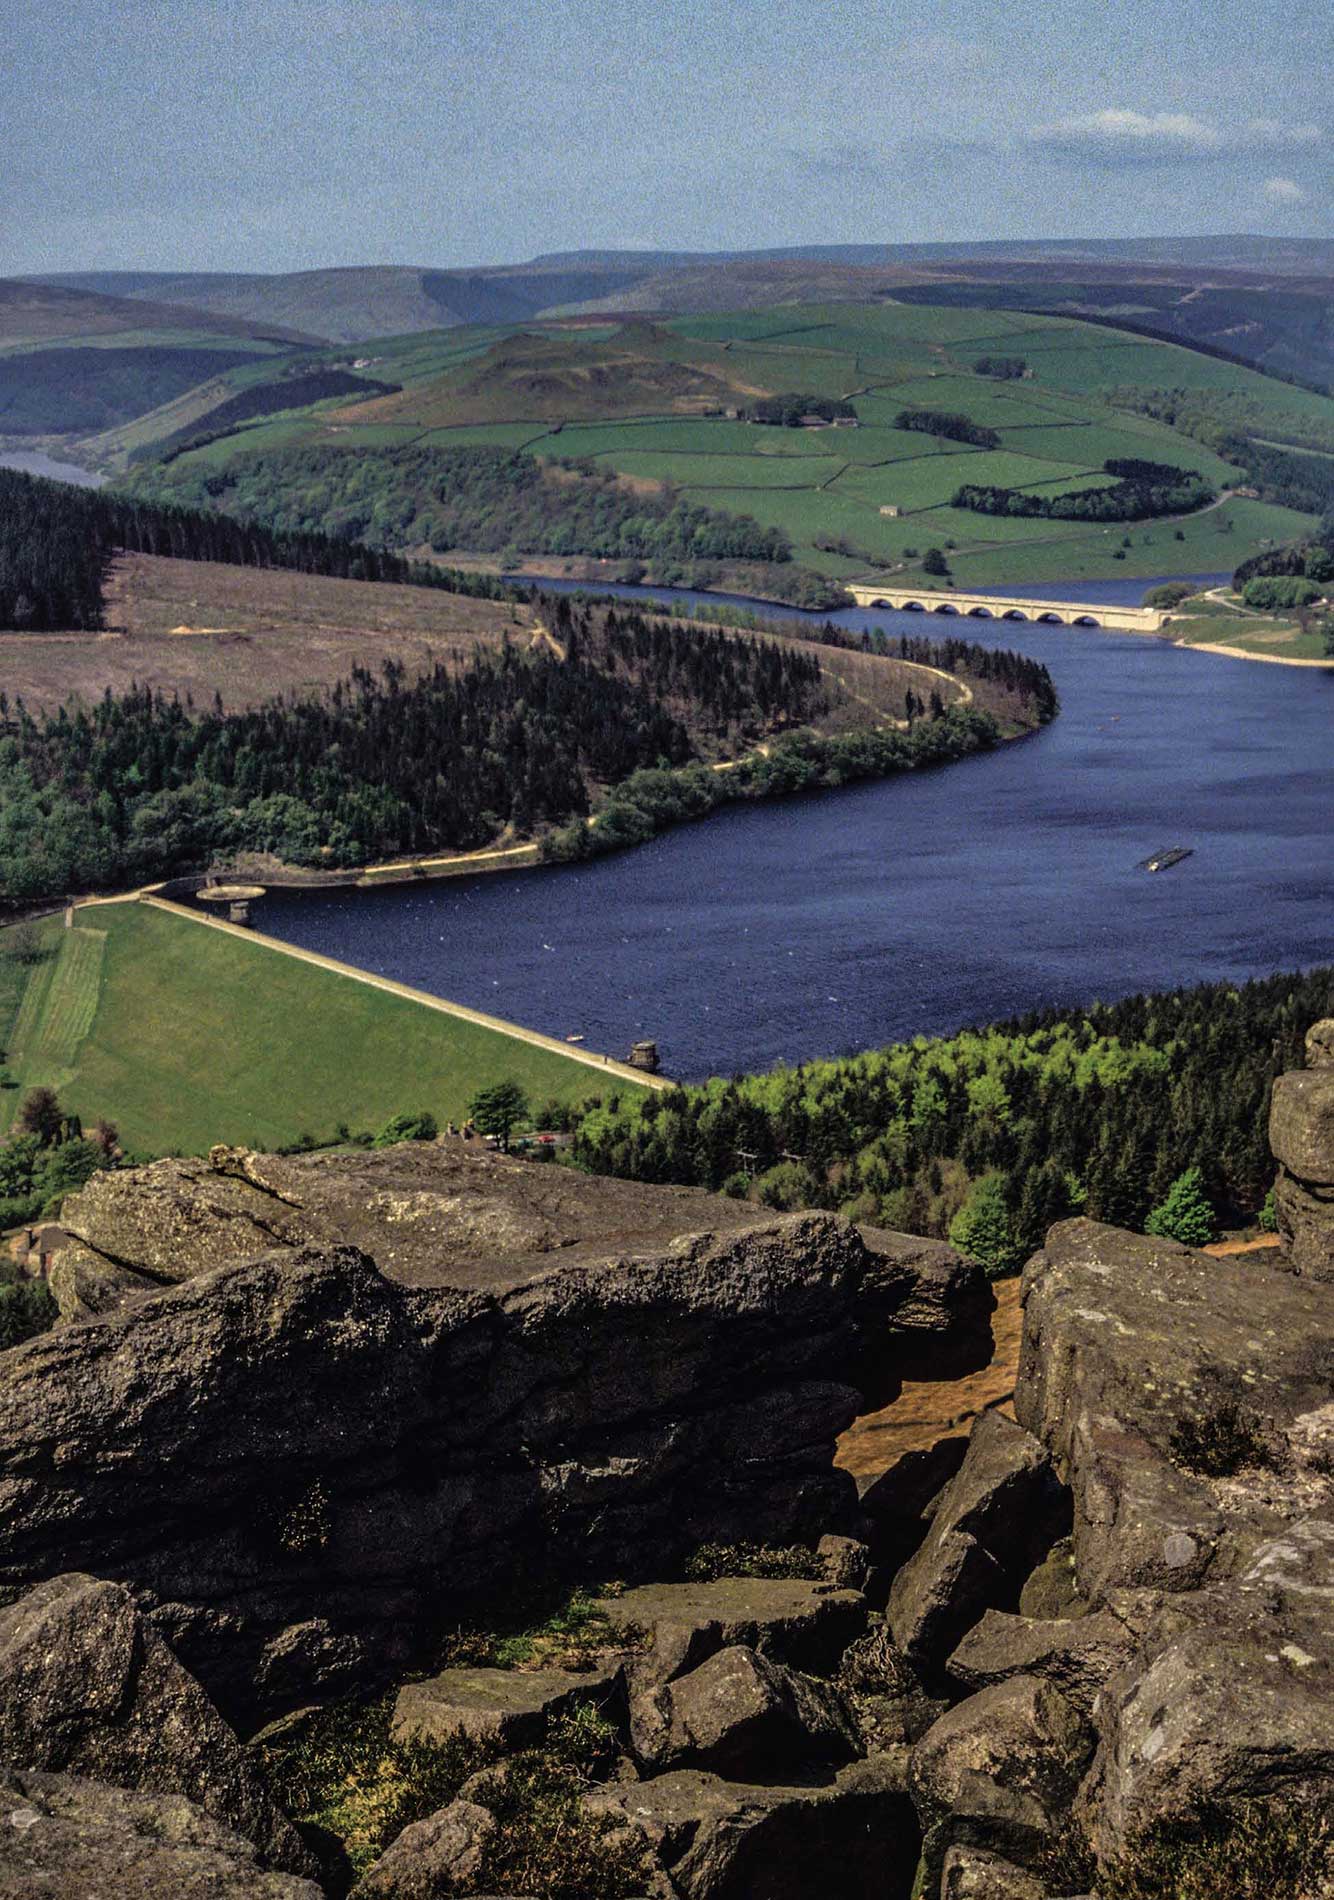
[1283, 191]
[1121, 135]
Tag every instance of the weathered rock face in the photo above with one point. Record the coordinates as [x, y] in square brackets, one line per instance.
[999, 1513]
[854, 1835]
[1000, 1771]
[740, 1712]
[295, 1457]
[63, 1836]
[1125, 1340]
[1301, 1134]
[88, 1685]
[1230, 1694]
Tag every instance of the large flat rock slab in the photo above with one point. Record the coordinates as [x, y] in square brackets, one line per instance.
[807, 1625]
[509, 1706]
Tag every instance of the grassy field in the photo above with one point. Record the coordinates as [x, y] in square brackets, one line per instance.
[183, 1035]
[635, 400]
[1226, 621]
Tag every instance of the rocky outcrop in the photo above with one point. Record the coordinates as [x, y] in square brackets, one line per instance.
[1143, 1360]
[63, 1836]
[298, 1458]
[1301, 1134]
[741, 1712]
[1229, 1695]
[854, 1835]
[89, 1686]
[998, 1515]
[1000, 1771]
[511, 1707]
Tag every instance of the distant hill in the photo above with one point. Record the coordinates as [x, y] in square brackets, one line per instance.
[38, 311]
[1268, 299]
[361, 302]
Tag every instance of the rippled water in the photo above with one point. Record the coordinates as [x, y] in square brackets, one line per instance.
[815, 925]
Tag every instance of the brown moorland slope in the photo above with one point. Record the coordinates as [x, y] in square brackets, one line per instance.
[202, 627]
[246, 634]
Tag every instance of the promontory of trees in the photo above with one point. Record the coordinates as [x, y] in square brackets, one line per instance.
[1097, 1111]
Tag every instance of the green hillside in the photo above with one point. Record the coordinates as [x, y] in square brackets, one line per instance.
[181, 1035]
[658, 405]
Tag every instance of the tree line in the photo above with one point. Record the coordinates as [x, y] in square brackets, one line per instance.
[651, 801]
[1141, 492]
[788, 412]
[1097, 1111]
[488, 500]
[947, 424]
[141, 786]
[57, 541]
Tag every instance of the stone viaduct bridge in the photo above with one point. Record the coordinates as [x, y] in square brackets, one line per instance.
[1067, 613]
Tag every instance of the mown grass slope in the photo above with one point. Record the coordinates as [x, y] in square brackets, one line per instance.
[184, 1036]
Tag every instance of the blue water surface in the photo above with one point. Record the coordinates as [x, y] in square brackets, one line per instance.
[816, 925]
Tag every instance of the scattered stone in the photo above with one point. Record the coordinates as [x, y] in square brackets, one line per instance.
[508, 1706]
[999, 1771]
[898, 1506]
[970, 1873]
[88, 1685]
[1075, 1655]
[741, 1714]
[855, 1835]
[438, 1856]
[63, 1837]
[806, 1625]
[888, 1701]
[1052, 1590]
[1000, 1511]
[846, 1561]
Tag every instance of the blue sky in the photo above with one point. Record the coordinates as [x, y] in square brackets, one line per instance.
[289, 134]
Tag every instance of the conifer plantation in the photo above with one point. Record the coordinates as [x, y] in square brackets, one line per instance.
[993, 1134]
[56, 542]
[141, 786]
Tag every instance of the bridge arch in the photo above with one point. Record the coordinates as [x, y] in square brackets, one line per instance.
[1085, 620]
[946, 607]
[1014, 613]
[1050, 619]
[980, 613]
[913, 607]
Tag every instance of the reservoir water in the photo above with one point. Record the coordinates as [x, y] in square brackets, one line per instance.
[32, 462]
[818, 925]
